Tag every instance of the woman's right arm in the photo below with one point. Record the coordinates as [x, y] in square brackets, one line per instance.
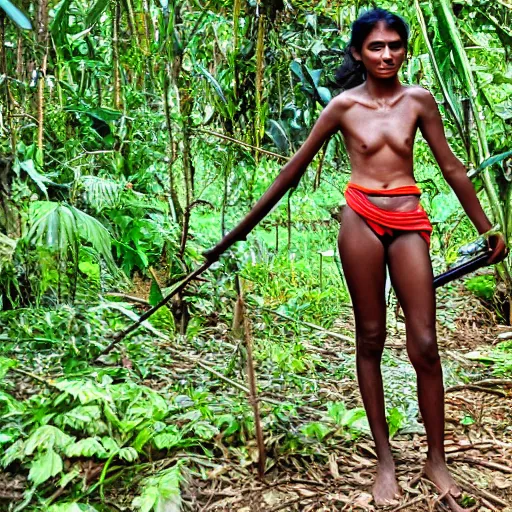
[327, 124]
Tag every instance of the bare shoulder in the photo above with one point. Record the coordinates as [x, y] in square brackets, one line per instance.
[346, 99]
[421, 95]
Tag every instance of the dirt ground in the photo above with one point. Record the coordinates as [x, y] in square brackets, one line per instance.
[340, 478]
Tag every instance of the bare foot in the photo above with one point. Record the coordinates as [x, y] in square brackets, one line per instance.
[438, 474]
[386, 490]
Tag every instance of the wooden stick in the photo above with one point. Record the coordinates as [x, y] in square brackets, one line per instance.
[409, 503]
[484, 494]
[251, 376]
[474, 387]
[485, 463]
[312, 326]
[117, 337]
[129, 298]
[244, 144]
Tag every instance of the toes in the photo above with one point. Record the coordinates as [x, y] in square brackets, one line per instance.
[455, 491]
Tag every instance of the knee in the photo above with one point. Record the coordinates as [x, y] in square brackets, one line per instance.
[423, 352]
[370, 341]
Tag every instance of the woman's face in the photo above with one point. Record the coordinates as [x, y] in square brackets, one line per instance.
[382, 53]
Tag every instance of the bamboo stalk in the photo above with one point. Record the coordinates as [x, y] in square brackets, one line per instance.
[260, 48]
[251, 377]
[116, 19]
[42, 39]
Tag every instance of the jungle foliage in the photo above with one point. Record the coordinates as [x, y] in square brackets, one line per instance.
[133, 134]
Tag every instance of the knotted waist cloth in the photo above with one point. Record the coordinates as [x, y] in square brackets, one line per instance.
[385, 222]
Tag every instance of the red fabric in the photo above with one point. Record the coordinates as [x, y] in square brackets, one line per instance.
[384, 221]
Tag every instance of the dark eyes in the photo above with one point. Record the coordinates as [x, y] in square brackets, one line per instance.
[393, 46]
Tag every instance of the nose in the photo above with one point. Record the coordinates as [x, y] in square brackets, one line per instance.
[387, 53]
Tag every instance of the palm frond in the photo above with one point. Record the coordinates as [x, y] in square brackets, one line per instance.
[101, 193]
[61, 228]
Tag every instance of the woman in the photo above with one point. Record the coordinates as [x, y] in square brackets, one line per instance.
[385, 225]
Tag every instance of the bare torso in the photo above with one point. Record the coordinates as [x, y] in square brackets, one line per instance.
[379, 137]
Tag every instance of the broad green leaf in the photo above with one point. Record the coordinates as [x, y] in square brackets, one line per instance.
[161, 493]
[97, 10]
[5, 438]
[60, 227]
[46, 438]
[47, 465]
[56, 25]
[205, 430]
[442, 207]
[14, 452]
[101, 193]
[40, 180]
[15, 14]
[155, 293]
[85, 390]
[315, 430]
[279, 137]
[5, 364]
[325, 94]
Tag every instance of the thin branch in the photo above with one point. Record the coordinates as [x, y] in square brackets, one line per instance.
[244, 144]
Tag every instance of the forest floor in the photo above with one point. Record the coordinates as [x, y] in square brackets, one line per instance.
[338, 476]
[319, 456]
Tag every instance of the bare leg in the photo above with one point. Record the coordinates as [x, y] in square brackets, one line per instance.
[411, 275]
[363, 258]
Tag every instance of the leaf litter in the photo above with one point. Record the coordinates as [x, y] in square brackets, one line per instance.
[319, 453]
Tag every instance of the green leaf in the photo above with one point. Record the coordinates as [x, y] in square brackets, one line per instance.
[45, 438]
[315, 430]
[47, 465]
[60, 227]
[87, 447]
[467, 420]
[442, 207]
[40, 180]
[396, 420]
[205, 430]
[15, 14]
[491, 161]
[279, 137]
[155, 293]
[97, 10]
[216, 86]
[5, 365]
[161, 493]
[72, 507]
[14, 452]
[56, 25]
[129, 454]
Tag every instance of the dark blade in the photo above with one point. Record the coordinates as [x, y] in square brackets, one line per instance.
[462, 270]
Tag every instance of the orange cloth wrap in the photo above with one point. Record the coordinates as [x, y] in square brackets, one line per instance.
[384, 222]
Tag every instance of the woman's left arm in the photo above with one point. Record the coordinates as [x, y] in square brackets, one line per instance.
[454, 171]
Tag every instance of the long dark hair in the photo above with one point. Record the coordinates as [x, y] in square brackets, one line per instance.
[352, 72]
